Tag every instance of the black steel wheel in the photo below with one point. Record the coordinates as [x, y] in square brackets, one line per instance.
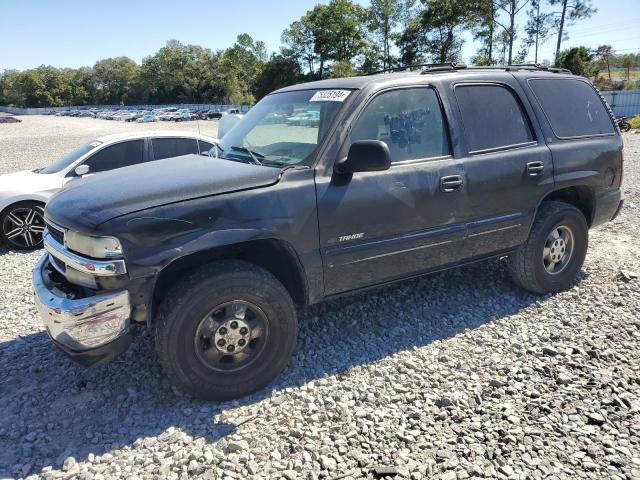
[23, 226]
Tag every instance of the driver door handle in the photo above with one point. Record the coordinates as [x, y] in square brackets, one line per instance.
[535, 168]
[451, 183]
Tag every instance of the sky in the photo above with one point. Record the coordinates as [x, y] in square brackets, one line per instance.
[74, 33]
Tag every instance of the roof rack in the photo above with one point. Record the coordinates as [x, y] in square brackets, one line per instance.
[454, 66]
[424, 67]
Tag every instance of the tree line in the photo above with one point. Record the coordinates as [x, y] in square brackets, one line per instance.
[341, 38]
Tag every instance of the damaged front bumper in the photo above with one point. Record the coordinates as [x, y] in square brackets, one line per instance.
[90, 327]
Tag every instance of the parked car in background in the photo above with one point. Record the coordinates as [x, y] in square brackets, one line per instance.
[24, 194]
[9, 119]
[227, 122]
[149, 117]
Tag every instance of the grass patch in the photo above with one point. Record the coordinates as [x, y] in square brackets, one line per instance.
[635, 122]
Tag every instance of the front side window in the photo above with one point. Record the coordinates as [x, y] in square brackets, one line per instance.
[283, 128]
[173, 147]
[573, 107]
[408, 120]
[204, 146]
[492, 117]
[119, 155]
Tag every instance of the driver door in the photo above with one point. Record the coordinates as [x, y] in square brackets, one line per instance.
[379, 226]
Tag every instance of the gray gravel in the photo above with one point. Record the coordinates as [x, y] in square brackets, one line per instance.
[453, 376]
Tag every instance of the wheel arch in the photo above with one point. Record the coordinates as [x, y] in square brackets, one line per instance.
[276, 256]
[580, 196]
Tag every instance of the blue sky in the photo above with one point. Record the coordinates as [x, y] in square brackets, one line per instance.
[72, 33]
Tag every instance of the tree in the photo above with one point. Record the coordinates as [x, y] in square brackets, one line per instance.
[442, 22]
[384, 16]
[604, 53]
[628, 62]
[113, 80]
[278, 72]
[299, 43]
[407, 40]
[511, 8]
[570, 12]
[538, 28]
[483, 26]
[579, 61]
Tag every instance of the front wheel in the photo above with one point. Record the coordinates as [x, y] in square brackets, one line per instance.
[22, 226]
[554, 253]
[226, 330]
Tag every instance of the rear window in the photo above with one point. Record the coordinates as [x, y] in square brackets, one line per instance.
[174, 147]
[493, 117]
[573, 107]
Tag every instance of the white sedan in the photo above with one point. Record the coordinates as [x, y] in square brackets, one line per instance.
[24, 194]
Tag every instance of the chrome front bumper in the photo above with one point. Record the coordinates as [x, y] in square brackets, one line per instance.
[81, 326]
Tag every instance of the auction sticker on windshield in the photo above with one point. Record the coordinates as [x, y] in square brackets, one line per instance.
[330, 96]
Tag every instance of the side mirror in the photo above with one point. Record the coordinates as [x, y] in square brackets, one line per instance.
[82, 170]
[365, 156]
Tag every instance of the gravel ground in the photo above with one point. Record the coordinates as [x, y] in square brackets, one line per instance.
[457, 375]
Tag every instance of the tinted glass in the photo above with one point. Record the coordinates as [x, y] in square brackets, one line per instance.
[69, 158]
[409, 121]
[492, 117]
[283, 128]
[205, 146]
[573, 107]
[173, 147]
[116, 156]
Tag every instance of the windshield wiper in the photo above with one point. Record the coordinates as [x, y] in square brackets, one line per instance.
[256, 156]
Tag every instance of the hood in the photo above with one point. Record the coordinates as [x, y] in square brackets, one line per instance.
[104, 196]
[29, 182]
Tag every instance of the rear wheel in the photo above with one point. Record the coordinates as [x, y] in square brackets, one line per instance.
[555, 250]
[226, 330]
[22, 226]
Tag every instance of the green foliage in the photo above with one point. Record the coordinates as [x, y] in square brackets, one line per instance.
[635, 122]
[278, 72]
[579, 60]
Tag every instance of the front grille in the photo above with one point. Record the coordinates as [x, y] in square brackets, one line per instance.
[56, 233]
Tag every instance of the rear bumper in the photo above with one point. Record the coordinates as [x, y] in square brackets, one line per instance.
[608, 206]
[90, 330]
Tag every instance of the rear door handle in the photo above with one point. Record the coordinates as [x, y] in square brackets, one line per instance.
[535, 168]
[452, 183]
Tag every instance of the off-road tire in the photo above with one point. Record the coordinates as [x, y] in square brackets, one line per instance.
[526, 265]
[188, 302]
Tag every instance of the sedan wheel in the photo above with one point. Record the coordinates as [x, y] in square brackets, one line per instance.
[23, 226]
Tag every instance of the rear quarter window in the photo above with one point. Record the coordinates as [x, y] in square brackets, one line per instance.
[573, 107]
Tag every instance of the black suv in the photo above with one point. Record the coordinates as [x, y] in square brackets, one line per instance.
[322, 189]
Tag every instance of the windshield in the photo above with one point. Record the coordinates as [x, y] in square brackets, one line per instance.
[69, 158]
[284, 128]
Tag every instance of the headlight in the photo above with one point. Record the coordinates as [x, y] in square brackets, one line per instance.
[95, 247]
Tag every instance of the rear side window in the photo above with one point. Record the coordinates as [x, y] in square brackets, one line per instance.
[408, 120]
[493, 117]
[573, 107]
[173, 147]
[119, 155]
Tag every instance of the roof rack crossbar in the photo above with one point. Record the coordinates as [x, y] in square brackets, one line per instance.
[424, 67]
